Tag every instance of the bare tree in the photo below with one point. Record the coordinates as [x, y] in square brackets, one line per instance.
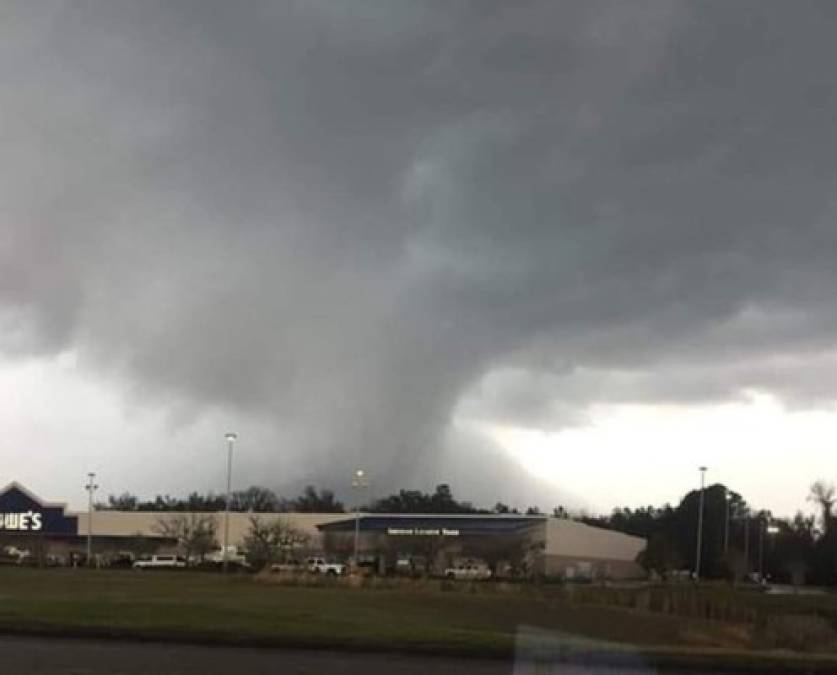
[193, 532]
[257, 499]
[823, 494]
[123, 502]
[269, 542]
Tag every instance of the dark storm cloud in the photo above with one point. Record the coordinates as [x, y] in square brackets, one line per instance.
[343, 218]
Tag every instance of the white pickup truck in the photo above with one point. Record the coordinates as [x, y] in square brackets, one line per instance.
[318, 565]
[160, 562]
[468, 571]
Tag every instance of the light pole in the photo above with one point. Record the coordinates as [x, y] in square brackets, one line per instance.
[359, 482]
[747, 542]
[231, 438]
[764, 527]
[700, 523]
[761, 547]
[91, 487]
[727, 498]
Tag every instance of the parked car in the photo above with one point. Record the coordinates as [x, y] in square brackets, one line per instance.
[414, 566]
[365, 565]
[155, 562]
[122, 559]
[318, 565]
[234, 557]
[288, 567]
[468, 571]
[11, 555]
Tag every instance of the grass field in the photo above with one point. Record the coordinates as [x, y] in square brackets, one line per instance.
[239, 610]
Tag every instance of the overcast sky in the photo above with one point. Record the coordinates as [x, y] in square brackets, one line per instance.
[553, 253]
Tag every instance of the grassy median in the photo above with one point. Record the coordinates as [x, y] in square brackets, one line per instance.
[210, 608]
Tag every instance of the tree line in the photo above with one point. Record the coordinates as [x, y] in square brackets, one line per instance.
[254, 499]
[737, 540]
[257, 499]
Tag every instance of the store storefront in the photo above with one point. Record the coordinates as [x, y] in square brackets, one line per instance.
[509, 544]
[35, 531]
[31, 527]
[554, 547]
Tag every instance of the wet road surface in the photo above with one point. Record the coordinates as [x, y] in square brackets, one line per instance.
[46, 656]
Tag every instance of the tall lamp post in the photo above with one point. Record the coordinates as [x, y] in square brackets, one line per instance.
[359, 482]
[727, 498]
[700, 523]
[765, 526]
[747, 542]
[91, 487]
[231, 438]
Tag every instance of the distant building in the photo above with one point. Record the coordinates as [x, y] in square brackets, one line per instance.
[538, 544]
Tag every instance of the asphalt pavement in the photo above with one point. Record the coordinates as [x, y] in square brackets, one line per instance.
[48, 656]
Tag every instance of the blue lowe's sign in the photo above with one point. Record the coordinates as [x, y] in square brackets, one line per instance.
[21, 512]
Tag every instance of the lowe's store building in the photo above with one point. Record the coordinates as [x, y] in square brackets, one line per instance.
[538, 544]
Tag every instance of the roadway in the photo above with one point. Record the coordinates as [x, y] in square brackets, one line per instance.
[48, 656]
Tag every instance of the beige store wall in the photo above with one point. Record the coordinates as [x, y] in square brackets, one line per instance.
[577, 540]
[131, 523]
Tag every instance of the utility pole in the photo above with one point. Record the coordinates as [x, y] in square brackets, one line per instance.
[700, 523]
[231, 438]
[91, 487]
